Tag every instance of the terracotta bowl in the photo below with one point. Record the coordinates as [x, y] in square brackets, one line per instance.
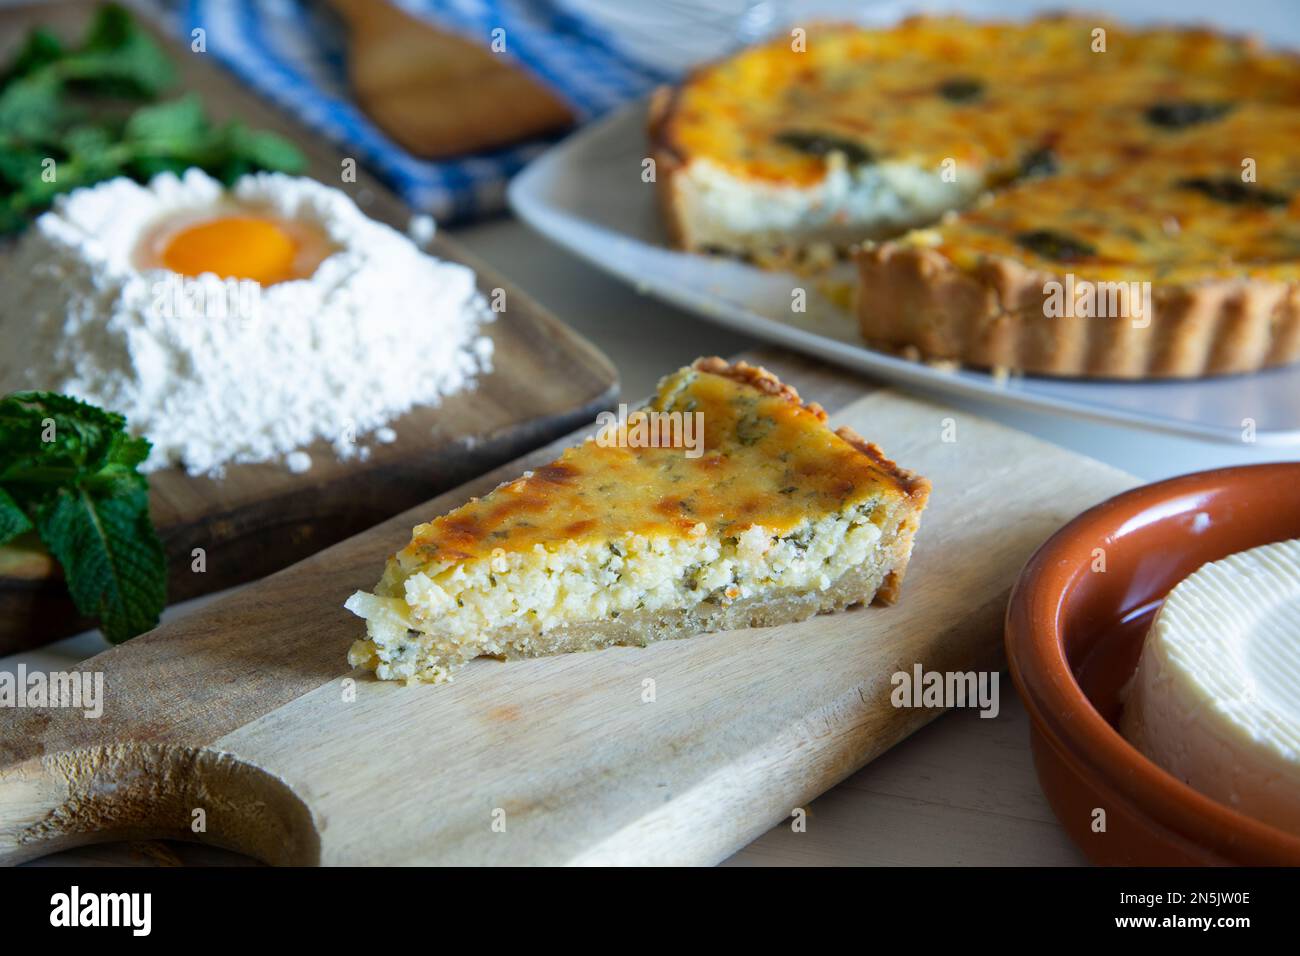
[1073, 638]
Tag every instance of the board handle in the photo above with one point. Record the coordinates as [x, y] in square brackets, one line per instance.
[136, 791]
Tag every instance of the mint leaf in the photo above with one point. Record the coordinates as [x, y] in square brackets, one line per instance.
[13, 217]
[68, 469]
[111, 556]
[19, 166]
[13, 520]
[41, 432]
[129, 452]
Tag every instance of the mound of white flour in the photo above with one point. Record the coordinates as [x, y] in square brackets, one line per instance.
[215, 372]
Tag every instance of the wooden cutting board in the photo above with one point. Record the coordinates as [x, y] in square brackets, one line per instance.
[247, 711]
[547, 381]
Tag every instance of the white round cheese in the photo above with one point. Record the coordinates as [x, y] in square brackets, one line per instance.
[1216, 697]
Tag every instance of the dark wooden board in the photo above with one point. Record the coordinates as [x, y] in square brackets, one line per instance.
[547, 380]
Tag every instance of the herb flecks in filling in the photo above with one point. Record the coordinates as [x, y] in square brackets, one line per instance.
[1039, 162]
[1056, 245]
[779, 513]
[961, 89]
[813, 143]
[1234, 192]
[1180, 115]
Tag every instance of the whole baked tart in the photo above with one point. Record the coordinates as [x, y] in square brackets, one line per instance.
[1063, 196]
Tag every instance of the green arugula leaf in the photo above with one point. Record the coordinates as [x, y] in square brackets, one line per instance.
[118, 58]
[86, 155]
[40, 49]
[171, 137]
[66, 106]
[68, 469]
[111, 28]
[172, 125]
[30, 108]
[13, 520]
[146, 167]
[264, 150]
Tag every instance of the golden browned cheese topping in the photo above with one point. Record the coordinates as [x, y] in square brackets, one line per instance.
[765, 459]
[1168, 153]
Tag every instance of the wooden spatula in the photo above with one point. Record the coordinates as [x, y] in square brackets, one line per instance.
[437, 94]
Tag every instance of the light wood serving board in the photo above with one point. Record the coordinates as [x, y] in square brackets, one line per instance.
[547, 380]
[247, 711]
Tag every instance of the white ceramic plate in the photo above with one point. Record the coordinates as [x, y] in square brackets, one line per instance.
[587, 194]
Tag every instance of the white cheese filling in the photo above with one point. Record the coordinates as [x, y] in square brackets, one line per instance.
[737, 214]
[1216, 697]
[426, 619]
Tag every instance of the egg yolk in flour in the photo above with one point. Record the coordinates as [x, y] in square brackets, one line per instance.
[237, 246]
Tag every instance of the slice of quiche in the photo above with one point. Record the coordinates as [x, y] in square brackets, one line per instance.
[630, 537]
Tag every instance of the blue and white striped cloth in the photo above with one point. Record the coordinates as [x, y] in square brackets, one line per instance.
[294, 54]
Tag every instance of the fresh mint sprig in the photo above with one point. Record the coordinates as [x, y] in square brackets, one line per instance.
[68, 470]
